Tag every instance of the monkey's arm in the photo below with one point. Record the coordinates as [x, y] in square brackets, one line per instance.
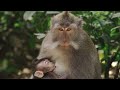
[46, 47]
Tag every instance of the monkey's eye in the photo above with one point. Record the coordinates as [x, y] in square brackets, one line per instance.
[60, 29]
[68, 29]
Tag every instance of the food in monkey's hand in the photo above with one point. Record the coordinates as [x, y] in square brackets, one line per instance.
[43, 67]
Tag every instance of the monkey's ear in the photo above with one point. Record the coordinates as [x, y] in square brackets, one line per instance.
[80, 22]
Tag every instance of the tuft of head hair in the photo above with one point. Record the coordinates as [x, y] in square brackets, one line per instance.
[64, 18]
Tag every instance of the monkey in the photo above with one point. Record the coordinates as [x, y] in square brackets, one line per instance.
[70, 48]
[43, 67]
[46, 66]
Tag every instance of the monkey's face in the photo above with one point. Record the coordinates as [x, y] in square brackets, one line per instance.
[45, 66]
[65, 34]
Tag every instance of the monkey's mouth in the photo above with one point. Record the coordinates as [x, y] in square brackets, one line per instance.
[64, 44]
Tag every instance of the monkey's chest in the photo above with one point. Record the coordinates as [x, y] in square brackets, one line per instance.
[62, 62]
[62, 65]
[61, 69]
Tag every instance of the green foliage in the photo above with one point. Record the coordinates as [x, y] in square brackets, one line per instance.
[19, 44]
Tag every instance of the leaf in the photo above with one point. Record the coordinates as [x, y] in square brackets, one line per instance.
[32, 42]
[115, 28]
[40, 35]
[28, 15]
[4, 65]
[114, 34]
[52, 12]
[101, 54]
[116, 15]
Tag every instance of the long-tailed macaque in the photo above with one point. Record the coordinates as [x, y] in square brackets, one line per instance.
[70, 48]
[44, 67]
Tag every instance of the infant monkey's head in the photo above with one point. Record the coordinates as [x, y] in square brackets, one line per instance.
[43, 67]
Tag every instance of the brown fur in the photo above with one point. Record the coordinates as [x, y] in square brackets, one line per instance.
[73, 52]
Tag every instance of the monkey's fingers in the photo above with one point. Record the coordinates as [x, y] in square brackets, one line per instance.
[39, 74]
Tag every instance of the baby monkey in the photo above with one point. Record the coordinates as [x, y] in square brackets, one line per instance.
[44, 67]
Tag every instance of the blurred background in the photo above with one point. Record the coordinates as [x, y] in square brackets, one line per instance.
[21, 34]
